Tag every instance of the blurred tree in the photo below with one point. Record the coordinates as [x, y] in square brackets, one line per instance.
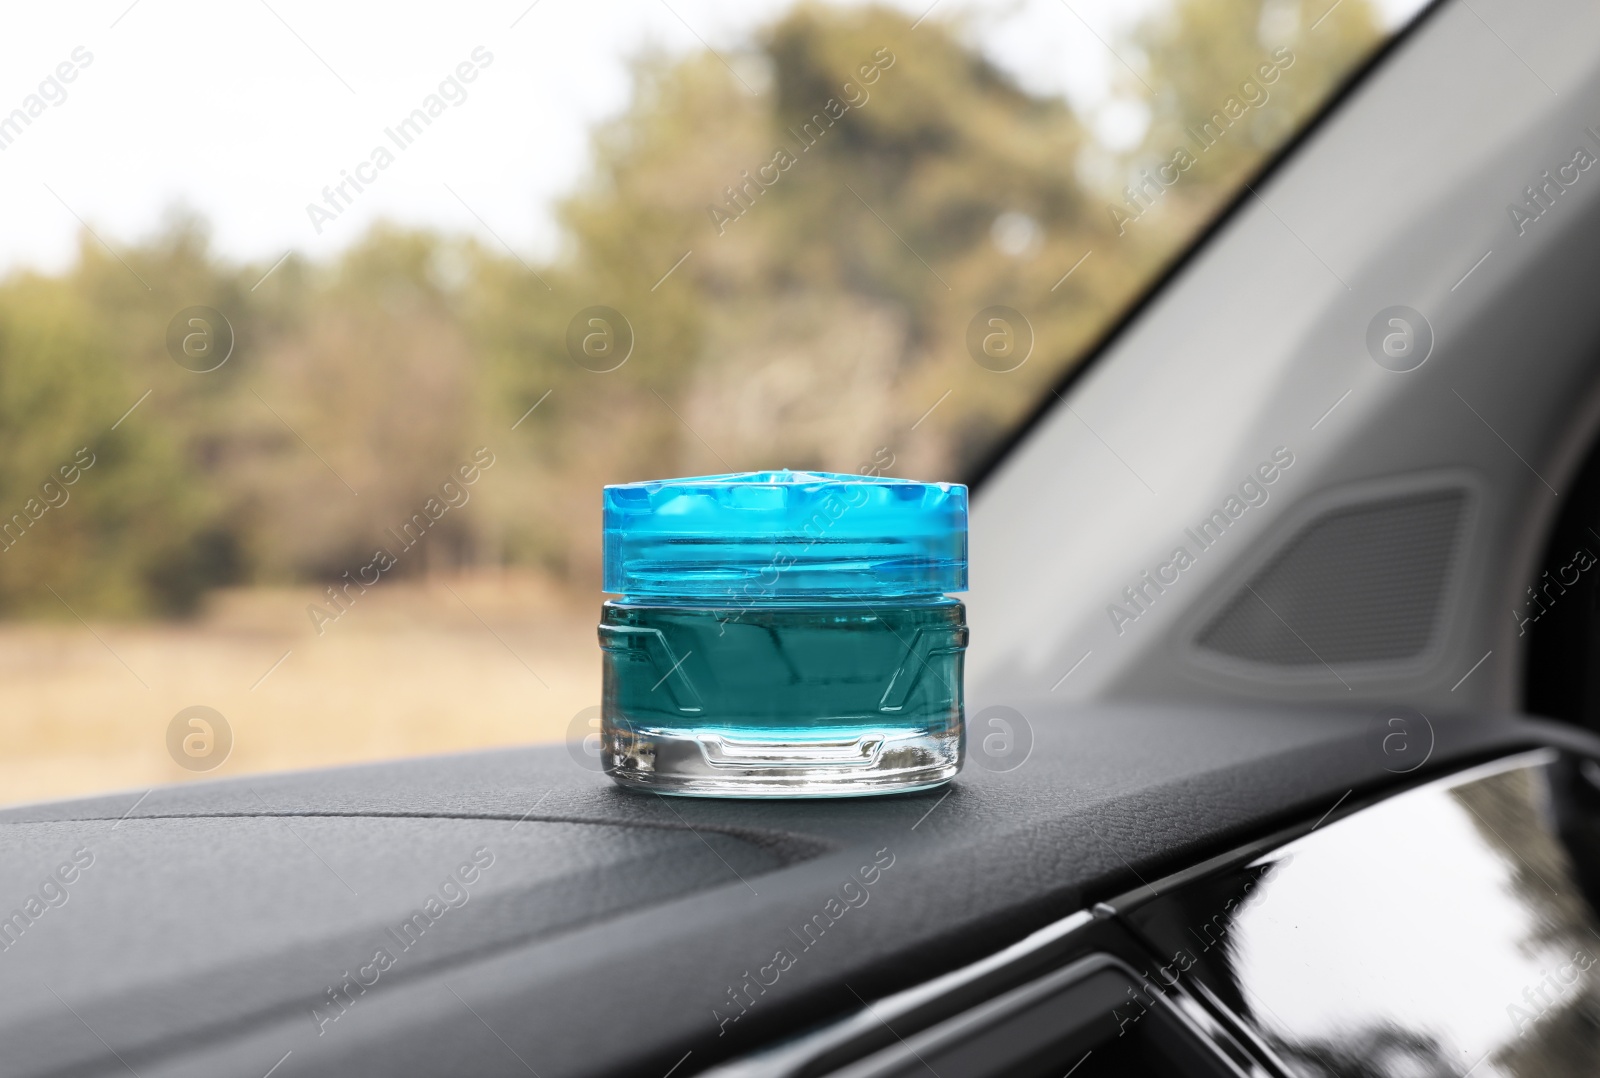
[358, 415]
[103, 517]
[1232, 82]
[798, 270]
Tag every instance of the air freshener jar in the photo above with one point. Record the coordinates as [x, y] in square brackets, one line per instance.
[783, 634]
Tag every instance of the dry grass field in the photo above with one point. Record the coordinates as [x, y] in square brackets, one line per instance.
[411, 668]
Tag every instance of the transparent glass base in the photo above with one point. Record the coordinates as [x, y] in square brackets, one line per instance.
[800, 700]
[716, 765]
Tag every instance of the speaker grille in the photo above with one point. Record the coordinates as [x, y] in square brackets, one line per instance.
[1358, 584]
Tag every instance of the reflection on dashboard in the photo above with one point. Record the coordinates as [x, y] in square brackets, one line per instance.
[1449, 930]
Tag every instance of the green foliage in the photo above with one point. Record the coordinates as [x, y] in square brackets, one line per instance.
[1241, 42]
[103, 517]
[829, 240]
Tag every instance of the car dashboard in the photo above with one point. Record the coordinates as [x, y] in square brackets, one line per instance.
[511, 911]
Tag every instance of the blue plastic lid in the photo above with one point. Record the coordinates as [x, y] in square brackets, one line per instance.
[785, 535]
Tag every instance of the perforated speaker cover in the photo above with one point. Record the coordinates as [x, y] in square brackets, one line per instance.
[1358, 584]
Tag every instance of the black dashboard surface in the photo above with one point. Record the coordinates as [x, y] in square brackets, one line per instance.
[509, 912]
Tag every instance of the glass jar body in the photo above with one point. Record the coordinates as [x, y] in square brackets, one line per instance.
[795, 698]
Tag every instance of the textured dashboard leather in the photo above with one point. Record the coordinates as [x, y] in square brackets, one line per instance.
[244, 919]
[606, 933]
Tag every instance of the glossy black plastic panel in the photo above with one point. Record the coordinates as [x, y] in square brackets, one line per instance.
[1095, 1019]
[1448, 930]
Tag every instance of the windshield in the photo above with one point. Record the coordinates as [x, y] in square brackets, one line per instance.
[316, 347]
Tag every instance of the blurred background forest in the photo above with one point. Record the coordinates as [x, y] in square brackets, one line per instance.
[822, 325]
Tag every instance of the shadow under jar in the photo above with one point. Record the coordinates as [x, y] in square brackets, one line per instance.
[783, 634]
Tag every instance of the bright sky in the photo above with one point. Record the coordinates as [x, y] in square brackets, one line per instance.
[243, 112]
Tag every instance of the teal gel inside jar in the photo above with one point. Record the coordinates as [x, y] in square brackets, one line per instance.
[783, 634]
